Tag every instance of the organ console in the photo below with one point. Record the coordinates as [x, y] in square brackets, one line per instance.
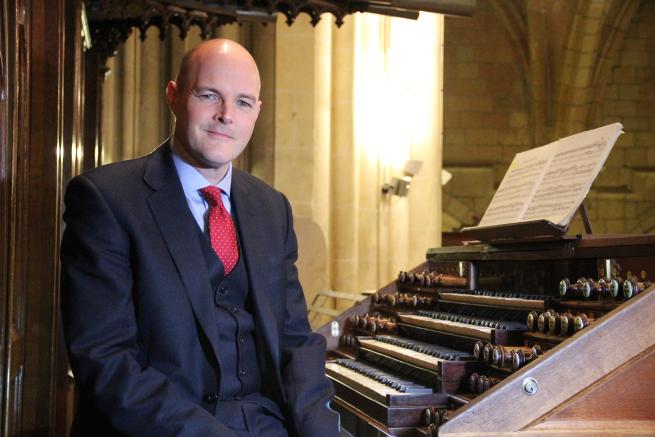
[495, 338]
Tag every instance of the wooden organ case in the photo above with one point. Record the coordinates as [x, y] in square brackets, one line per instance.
[535, 337]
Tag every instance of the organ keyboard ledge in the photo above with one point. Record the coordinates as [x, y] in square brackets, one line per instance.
[548, 343]
[521, 301]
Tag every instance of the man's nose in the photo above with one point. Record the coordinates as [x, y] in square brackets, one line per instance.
[224, 113]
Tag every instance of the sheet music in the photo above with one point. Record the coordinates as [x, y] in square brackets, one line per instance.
[550, 182]
[509, 203]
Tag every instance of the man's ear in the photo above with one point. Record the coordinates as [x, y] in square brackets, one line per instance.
[171, 95]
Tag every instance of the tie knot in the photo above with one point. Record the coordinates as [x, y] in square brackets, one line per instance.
[212, 195]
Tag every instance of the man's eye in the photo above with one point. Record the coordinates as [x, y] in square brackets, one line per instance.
[244, 103]
[207, 97]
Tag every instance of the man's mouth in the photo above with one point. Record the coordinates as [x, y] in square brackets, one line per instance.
[218, 134]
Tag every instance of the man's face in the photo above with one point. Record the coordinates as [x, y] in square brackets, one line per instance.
[215, 108]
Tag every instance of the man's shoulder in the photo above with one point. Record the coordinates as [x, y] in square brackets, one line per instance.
[253, 183]
[125, 172]
[123, 168]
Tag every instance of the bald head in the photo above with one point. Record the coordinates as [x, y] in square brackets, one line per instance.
[215, 100]
[215, 50]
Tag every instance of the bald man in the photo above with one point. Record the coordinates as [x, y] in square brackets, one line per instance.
[181, 305]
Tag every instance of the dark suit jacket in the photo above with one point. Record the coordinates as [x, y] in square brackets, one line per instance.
[137, 305]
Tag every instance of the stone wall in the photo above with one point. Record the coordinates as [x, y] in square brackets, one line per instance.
[627, 203]
[522, 74]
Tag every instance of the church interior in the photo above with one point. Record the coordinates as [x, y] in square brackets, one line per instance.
[389, 126]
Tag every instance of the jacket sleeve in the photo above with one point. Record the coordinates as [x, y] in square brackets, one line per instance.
[303, 356]
[98, 314]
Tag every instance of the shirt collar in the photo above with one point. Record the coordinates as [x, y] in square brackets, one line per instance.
[192, 180]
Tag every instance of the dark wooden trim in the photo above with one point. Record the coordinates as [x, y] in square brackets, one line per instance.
[39, 131]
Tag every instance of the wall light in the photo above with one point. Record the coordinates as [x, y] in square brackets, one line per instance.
[400, 186]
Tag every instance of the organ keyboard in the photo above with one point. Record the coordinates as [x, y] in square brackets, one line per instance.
[414, 358]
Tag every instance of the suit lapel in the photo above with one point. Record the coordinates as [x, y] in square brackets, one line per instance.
[177, 226]
[256, 256]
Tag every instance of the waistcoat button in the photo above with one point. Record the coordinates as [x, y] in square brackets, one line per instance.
[211, 397]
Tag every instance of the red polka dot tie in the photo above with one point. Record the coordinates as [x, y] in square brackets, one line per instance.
[222, 234]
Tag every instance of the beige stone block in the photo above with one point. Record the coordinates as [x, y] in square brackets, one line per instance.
[646, 30]
[305, 132]
[615, 226]
[613, 210]
[650, 157]
[645, 139]
[342, 175]
[481, 104]
[465, 87]
[450, 71]
[467, 71]
[508, 104]
[635, 44]
[625, 140]
[625, 108]
[460, 211]
[294, 172]
[634, 226]
[514, 137]
[634, 59]
[470, 119]
[466, 54]
[302, 208]
[469, 154]
[616, 158]
[451, 119]
[583, 76]
[454, 137]
[629, 92]
[344, 275]
[482, 136]
[647, 93]
[285, 132]
[609, 177]
[581, 94]
[456, 102]
[621, 75]
[586, 60]
[498, 53]
[635, 124]
[468, 36]
[445, 201]
[499, 72]
[344, 243]
[471, 181]
[501, 87]
[599, 227]
[368, 275]
[484, 120]
[578, 113]
[630, 209]
[518, 119]
[589, 43]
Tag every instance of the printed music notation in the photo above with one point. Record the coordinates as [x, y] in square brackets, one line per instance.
[550, 182]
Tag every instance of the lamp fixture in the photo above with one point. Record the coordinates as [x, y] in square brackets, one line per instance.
[400, 186]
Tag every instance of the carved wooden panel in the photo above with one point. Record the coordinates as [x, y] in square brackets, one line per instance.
[40, 129]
